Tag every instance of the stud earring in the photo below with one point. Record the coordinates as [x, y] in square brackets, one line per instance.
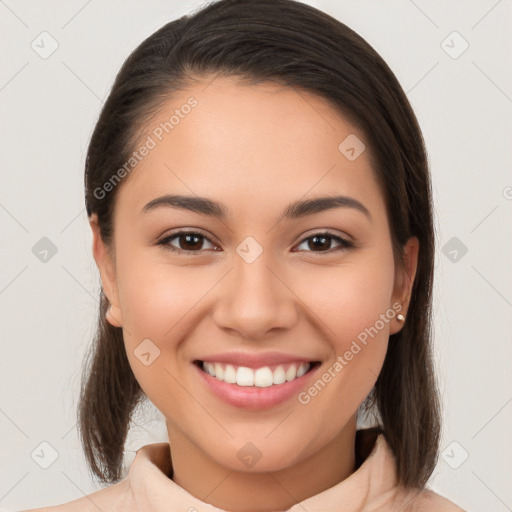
[400, 317]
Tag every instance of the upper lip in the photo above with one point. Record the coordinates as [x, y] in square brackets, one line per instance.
[255, 360]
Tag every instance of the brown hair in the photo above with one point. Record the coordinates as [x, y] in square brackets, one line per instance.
[298, 46]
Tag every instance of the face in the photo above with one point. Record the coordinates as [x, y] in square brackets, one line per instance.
[318, 286]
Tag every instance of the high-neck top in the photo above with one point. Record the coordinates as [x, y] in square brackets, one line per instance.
[371, 487]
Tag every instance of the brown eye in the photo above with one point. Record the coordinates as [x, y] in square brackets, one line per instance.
[187, 241]
[321, 242]
[190, 241]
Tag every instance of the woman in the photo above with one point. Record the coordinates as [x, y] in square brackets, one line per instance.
[259, 196]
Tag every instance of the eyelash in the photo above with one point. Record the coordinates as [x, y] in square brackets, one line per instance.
[344, 244]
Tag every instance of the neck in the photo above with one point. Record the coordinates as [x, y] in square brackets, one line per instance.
[206, 479]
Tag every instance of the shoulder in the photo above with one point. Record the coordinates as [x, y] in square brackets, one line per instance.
[114, 498]
[428, 501]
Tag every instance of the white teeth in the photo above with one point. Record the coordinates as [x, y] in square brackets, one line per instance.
[291, 373]
[244, 376]
[229, 374]
[262, 377]
[219, 371]
[303, 368]
[279, 376]
[210, 369]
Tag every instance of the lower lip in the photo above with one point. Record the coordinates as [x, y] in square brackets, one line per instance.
[253, 397]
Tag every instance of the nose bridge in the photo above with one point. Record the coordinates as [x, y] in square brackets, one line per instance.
[254, 280]
[252, 273]
[256, 300]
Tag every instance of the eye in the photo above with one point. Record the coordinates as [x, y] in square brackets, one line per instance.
[192, 241]
[320, 241]
[187, 241]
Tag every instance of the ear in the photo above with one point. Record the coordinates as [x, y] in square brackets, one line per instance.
[404, 280]
[106, 266]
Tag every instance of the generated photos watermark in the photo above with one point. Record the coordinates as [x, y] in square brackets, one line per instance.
[343, 360]
[157, 135]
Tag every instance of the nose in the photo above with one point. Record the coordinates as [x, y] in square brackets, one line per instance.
[256, 299]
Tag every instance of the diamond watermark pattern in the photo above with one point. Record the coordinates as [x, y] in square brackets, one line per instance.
[454, 455]
[454, 250]
[454, 45]
[44, 45]
[249, 454]
[44, 455]
[146, 352]
[249, 250]
[44, 250]
[351, 147]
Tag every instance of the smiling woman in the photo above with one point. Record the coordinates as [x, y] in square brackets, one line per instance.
[266, 266]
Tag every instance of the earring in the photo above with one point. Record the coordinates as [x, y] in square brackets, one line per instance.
[400, 317]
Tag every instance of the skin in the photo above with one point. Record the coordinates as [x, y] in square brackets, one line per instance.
[256, 149]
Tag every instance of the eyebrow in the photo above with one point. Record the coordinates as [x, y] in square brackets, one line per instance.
[298, 209]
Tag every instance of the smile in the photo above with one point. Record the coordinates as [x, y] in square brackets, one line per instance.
[255, 388]
[260, 377]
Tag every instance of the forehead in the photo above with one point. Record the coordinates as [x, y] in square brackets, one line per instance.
[253, 143]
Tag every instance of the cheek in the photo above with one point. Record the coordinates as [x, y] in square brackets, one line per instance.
[161, 303]
[353, 310]
[350, 298]
[156, 296]
[158, 303]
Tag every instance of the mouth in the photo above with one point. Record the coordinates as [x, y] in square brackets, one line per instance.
[262, 377]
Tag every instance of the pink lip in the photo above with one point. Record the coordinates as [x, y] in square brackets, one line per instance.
[255, 360]
[252, 397]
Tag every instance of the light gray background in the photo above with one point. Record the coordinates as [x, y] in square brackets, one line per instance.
[48, 109]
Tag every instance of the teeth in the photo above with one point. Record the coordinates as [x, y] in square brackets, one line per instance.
[262, 377]
[279, 375]
[291, 373]
[244, 376]
[219, 370]
[229, 374]
[303, 368]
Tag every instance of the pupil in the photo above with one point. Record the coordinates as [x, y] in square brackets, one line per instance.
[190, 237]
[324, 242]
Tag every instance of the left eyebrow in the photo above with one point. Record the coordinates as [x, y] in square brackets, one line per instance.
[218, 210]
